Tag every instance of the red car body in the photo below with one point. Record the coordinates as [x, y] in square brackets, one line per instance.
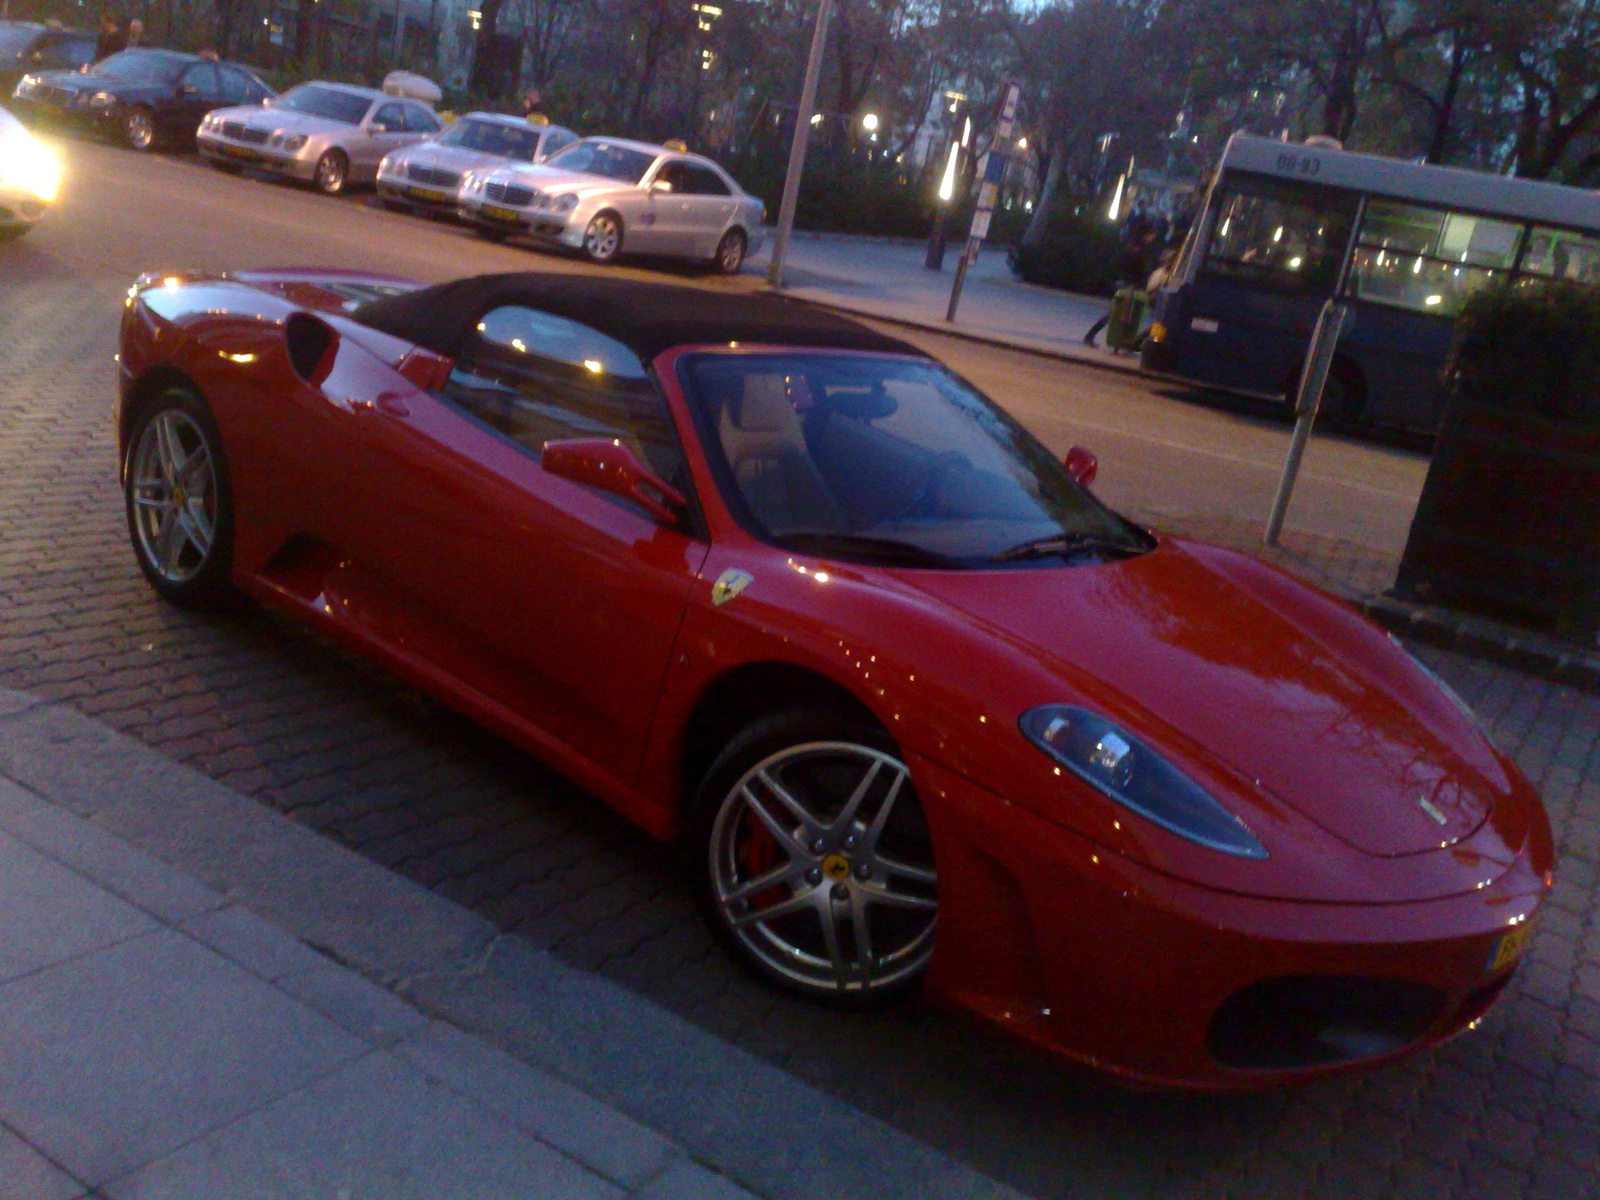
[590, 635]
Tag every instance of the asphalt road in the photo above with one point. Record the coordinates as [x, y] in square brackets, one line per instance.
[272, 712]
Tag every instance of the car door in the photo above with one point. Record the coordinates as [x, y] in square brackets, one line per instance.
[558, 601]
[198, 92]
[667, 213]
[709, 206]
[384, 130]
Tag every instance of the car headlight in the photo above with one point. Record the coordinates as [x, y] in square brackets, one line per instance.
[475, 184]
[295, 141]
[29, 166]
[564, 203]
[1122, 767]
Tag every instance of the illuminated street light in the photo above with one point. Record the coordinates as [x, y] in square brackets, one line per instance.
[816, 118]
[1022, 143]
[947, 185]
[870, 122]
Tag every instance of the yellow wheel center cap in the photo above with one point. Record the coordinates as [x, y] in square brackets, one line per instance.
[836, 867]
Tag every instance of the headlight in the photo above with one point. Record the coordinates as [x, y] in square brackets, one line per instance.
[294, 141]
[102, 100]
[564, 203]
[476, 184]
[29, 166]
[1135, 776]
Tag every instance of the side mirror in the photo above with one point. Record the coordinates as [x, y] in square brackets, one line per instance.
[1082, 465]
[378, 127]
[610, 466]
[660, 185]
[188, 90]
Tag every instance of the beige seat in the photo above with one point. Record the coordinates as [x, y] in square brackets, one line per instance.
[766, 447]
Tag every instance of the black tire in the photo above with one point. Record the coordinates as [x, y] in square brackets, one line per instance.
[864, 871]
[331, 173]
[729, 257]
[602, 238]
[182, 566]
[139, 128]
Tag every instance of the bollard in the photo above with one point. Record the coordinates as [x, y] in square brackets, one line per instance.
[1313, 379]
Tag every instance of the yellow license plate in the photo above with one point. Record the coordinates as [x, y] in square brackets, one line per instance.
[1510, 947]
[433, 194]
[501, 214]
[238, 151]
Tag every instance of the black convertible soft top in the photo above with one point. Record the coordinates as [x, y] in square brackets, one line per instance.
[646, 317]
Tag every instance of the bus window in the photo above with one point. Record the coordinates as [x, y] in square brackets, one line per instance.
[1282, 238]
[1427, 260]
[1563, 255]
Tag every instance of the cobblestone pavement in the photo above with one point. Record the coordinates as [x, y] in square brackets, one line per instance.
[1511, 1111]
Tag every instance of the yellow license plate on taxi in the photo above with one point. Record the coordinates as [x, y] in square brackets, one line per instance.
[238, 151]
[433, 194]
[1510, 947]
[501, 214]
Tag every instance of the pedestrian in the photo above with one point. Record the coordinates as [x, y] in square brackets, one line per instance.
[1132, 268]
[111, 37]
[135, 33]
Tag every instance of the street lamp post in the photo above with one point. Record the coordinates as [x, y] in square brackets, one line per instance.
[797, 147]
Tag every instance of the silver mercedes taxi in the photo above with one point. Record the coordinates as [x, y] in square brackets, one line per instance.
[329, 135]
[428, 175]
[606, 196]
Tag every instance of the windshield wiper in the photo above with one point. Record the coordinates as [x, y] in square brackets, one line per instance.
[1059, 545]
[878, 549]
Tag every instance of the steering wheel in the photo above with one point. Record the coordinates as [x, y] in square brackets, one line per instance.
[941, 466]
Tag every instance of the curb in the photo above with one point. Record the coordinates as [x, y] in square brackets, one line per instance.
[965, 335]
[1505, 645]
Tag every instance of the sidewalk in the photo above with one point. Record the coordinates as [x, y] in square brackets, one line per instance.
[888, 280]
[298, 1024]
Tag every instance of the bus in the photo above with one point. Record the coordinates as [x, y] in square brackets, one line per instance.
[1286, 227]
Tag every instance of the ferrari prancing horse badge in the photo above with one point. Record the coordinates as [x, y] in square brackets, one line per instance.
[729, 584]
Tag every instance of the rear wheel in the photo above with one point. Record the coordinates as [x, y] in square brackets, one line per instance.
[332, 171]
[179, 501]
[813, 858]
[139, 128]
[730, 252]
[602, 240]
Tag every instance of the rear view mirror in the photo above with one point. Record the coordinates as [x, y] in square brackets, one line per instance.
[1082, 465]
[610, 466]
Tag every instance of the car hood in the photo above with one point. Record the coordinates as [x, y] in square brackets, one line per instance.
[448, 158]
[1222, 662]
[553, 180]
[259, 116]
[79, 81]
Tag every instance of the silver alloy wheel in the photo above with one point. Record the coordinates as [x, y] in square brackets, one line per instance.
[330, 173]
[730, 252]
[172, 487]
[603, 238]
[139, 129]
[801, 878]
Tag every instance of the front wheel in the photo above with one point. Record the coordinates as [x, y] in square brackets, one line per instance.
[332, 170]
[814, 862]
[602, 240]
[179, 501]
[139, 129]
[730, 252]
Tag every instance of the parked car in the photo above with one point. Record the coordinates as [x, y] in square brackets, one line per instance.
[30, 176]
[428, 175]
[29, 46]
[143, 97]
[604, 196]
[923, 708]
[330, 135]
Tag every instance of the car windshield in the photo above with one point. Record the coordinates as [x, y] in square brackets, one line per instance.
[318, 101]
[491, 137]
[602, 158]
[142, 66]
[889, 459]
[13, 41]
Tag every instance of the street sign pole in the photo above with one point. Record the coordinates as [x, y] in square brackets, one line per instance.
[994, 171]
[1319, 358]
[797, 147]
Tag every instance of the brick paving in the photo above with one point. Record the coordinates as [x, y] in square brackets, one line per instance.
[260, 705]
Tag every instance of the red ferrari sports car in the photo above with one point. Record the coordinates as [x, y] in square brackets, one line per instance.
[925, 710]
